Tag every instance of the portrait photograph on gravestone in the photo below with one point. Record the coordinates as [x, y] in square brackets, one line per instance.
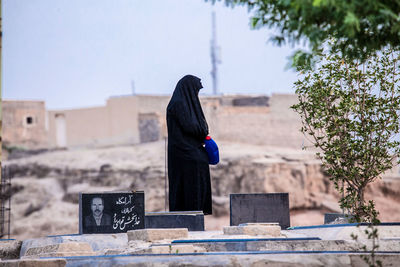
[111, 212]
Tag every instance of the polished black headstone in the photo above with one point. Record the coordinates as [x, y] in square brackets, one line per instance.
[260, 208]
[192, 220]
[120, 212]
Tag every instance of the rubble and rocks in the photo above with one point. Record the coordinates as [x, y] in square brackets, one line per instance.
[46, 186]
[9, 249]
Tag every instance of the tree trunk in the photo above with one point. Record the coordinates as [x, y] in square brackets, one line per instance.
[360, 203]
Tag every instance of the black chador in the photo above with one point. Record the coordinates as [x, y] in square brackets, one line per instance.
[188, 169]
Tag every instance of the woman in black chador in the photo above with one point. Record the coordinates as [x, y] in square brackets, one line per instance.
[188, 170]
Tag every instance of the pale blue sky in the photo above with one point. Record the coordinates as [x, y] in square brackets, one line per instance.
[77, 53]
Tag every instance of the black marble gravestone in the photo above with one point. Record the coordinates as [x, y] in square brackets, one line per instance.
[111, 212]
[260, 208]
[192, 220]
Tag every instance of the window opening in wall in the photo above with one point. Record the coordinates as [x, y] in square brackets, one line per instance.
[29, 120]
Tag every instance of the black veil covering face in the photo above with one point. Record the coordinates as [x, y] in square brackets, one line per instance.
[188, 169]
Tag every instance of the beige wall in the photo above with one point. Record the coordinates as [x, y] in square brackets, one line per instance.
[17, 131]
[113, 124]
[285, 124]
[155, 104]
[158, 105]
[118, 121]
[123, 114]
[211, 108]
[152, 103]
[243, 124]
[274, 125]
[87, 126]
[280, 106]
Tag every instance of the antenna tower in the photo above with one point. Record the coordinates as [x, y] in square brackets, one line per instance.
[133, 87]
[215, 51]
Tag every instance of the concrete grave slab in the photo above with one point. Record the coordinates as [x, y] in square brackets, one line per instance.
[171, 249]
[34, 263]
[254, 229]
[288, 244]
[61, 250]
[157, 234]
[98, 242]
[344, 231]
[255, 258]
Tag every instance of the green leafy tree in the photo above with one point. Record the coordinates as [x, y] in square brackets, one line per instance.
[351, 111]
[360, 27]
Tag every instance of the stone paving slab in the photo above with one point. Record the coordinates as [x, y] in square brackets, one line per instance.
[292, 245]
[254, 230]
[170, 249]
[118, 243]
[237, 239]
[61, 250]
[291, 240]
[34, 263]
[157, 234]
[256, 244]
[248, 245]
[343, 232]
[108, 244]
[98, 242]
[235, 259]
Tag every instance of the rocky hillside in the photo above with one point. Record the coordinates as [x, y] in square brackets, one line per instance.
[46, 186]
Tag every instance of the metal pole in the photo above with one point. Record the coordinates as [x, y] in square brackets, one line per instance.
[1, 172]
[215, 60]
[9, 200]
[165, 175]
[1, 207]
[9, 212]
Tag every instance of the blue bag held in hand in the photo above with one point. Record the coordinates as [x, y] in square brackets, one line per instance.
[212, 150]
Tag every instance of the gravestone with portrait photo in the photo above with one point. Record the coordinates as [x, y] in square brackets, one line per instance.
[111, 212]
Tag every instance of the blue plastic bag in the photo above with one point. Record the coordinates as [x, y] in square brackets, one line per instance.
[212, 150]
